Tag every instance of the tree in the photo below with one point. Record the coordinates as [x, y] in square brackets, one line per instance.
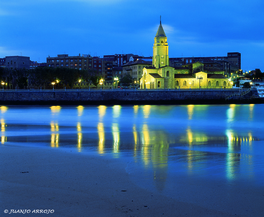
[126, 80]
[246, 85]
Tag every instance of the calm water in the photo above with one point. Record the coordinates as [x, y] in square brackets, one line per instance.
[194, 153]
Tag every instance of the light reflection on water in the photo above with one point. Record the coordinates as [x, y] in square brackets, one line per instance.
[213, 142]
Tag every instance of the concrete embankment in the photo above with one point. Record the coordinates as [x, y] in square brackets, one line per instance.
[87, 97]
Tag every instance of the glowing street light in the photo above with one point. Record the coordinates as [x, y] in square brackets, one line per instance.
[116, 81]
[53, 83]
[3, 84]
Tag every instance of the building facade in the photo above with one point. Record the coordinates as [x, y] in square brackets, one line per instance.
[135, 69]
[84, 62]
[192, 75]
[229, 64]
[17, 62]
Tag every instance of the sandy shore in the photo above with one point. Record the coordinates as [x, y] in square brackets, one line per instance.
[74, 184]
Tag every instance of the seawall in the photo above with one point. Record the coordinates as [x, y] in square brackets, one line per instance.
[195, 96]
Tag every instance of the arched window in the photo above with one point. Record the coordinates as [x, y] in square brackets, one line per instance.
[168, 73]
[161, 41]
[158, 83]
[184, 83]
[224, 84]
[209, 84]
[177, 83]
[217, 84]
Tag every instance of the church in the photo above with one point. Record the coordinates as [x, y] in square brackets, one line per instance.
[162, 76]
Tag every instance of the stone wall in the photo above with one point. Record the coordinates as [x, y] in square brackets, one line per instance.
[128, 96]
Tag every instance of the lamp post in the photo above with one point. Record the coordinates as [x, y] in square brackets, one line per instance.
[101, 82]
[3, 84]
[53, 83]
[116, 81]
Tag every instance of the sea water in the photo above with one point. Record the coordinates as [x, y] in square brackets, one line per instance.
[210, 155]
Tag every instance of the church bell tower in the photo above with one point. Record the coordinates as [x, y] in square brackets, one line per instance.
[160, 49]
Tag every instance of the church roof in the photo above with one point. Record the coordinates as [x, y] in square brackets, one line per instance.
[160, 32]
[215, 76]
[150, 67]
[183, 76]
[155, 75]
[139, 62]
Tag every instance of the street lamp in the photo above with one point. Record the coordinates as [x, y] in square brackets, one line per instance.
[116, 81]
[101, 82]
[3, 84]
[53, 83]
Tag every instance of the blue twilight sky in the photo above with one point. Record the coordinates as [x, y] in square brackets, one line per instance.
[39, 28]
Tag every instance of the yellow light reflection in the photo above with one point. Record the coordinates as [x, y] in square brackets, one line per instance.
[3, 125]
[3, 139]
[54, 127]
[135, 138]
[101, 111]
[3, 109]
[231, 113]
[55, 109]
[54, 140]
[135, 109]
[146, 110]
[79, 142]
[190, 111]
[80, 110]
[189, 136]
[116, 137]
[101, 135]
[251, 111]
[79, 139]
[116, 111]
[3, 129]
[145, 141]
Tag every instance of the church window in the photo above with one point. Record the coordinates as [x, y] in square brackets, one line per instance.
[217, 84]
[161, 41]
[158, 83]
[184, 83]
[168, 73]
[224, 83]
[177, 83]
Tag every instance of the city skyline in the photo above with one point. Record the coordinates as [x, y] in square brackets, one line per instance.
[205, 28]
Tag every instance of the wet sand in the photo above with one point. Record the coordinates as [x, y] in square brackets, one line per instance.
[75, 184]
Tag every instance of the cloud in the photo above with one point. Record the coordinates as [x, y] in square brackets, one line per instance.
[9, 52]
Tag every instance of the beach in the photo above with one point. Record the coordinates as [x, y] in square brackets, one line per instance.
[75, 184]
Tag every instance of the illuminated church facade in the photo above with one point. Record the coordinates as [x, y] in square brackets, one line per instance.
[162, 76]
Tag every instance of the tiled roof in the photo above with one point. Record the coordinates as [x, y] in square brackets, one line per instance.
[183, 76]
[155, 75]
[215, 76]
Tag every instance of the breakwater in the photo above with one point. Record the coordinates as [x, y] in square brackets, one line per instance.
[117, 96]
